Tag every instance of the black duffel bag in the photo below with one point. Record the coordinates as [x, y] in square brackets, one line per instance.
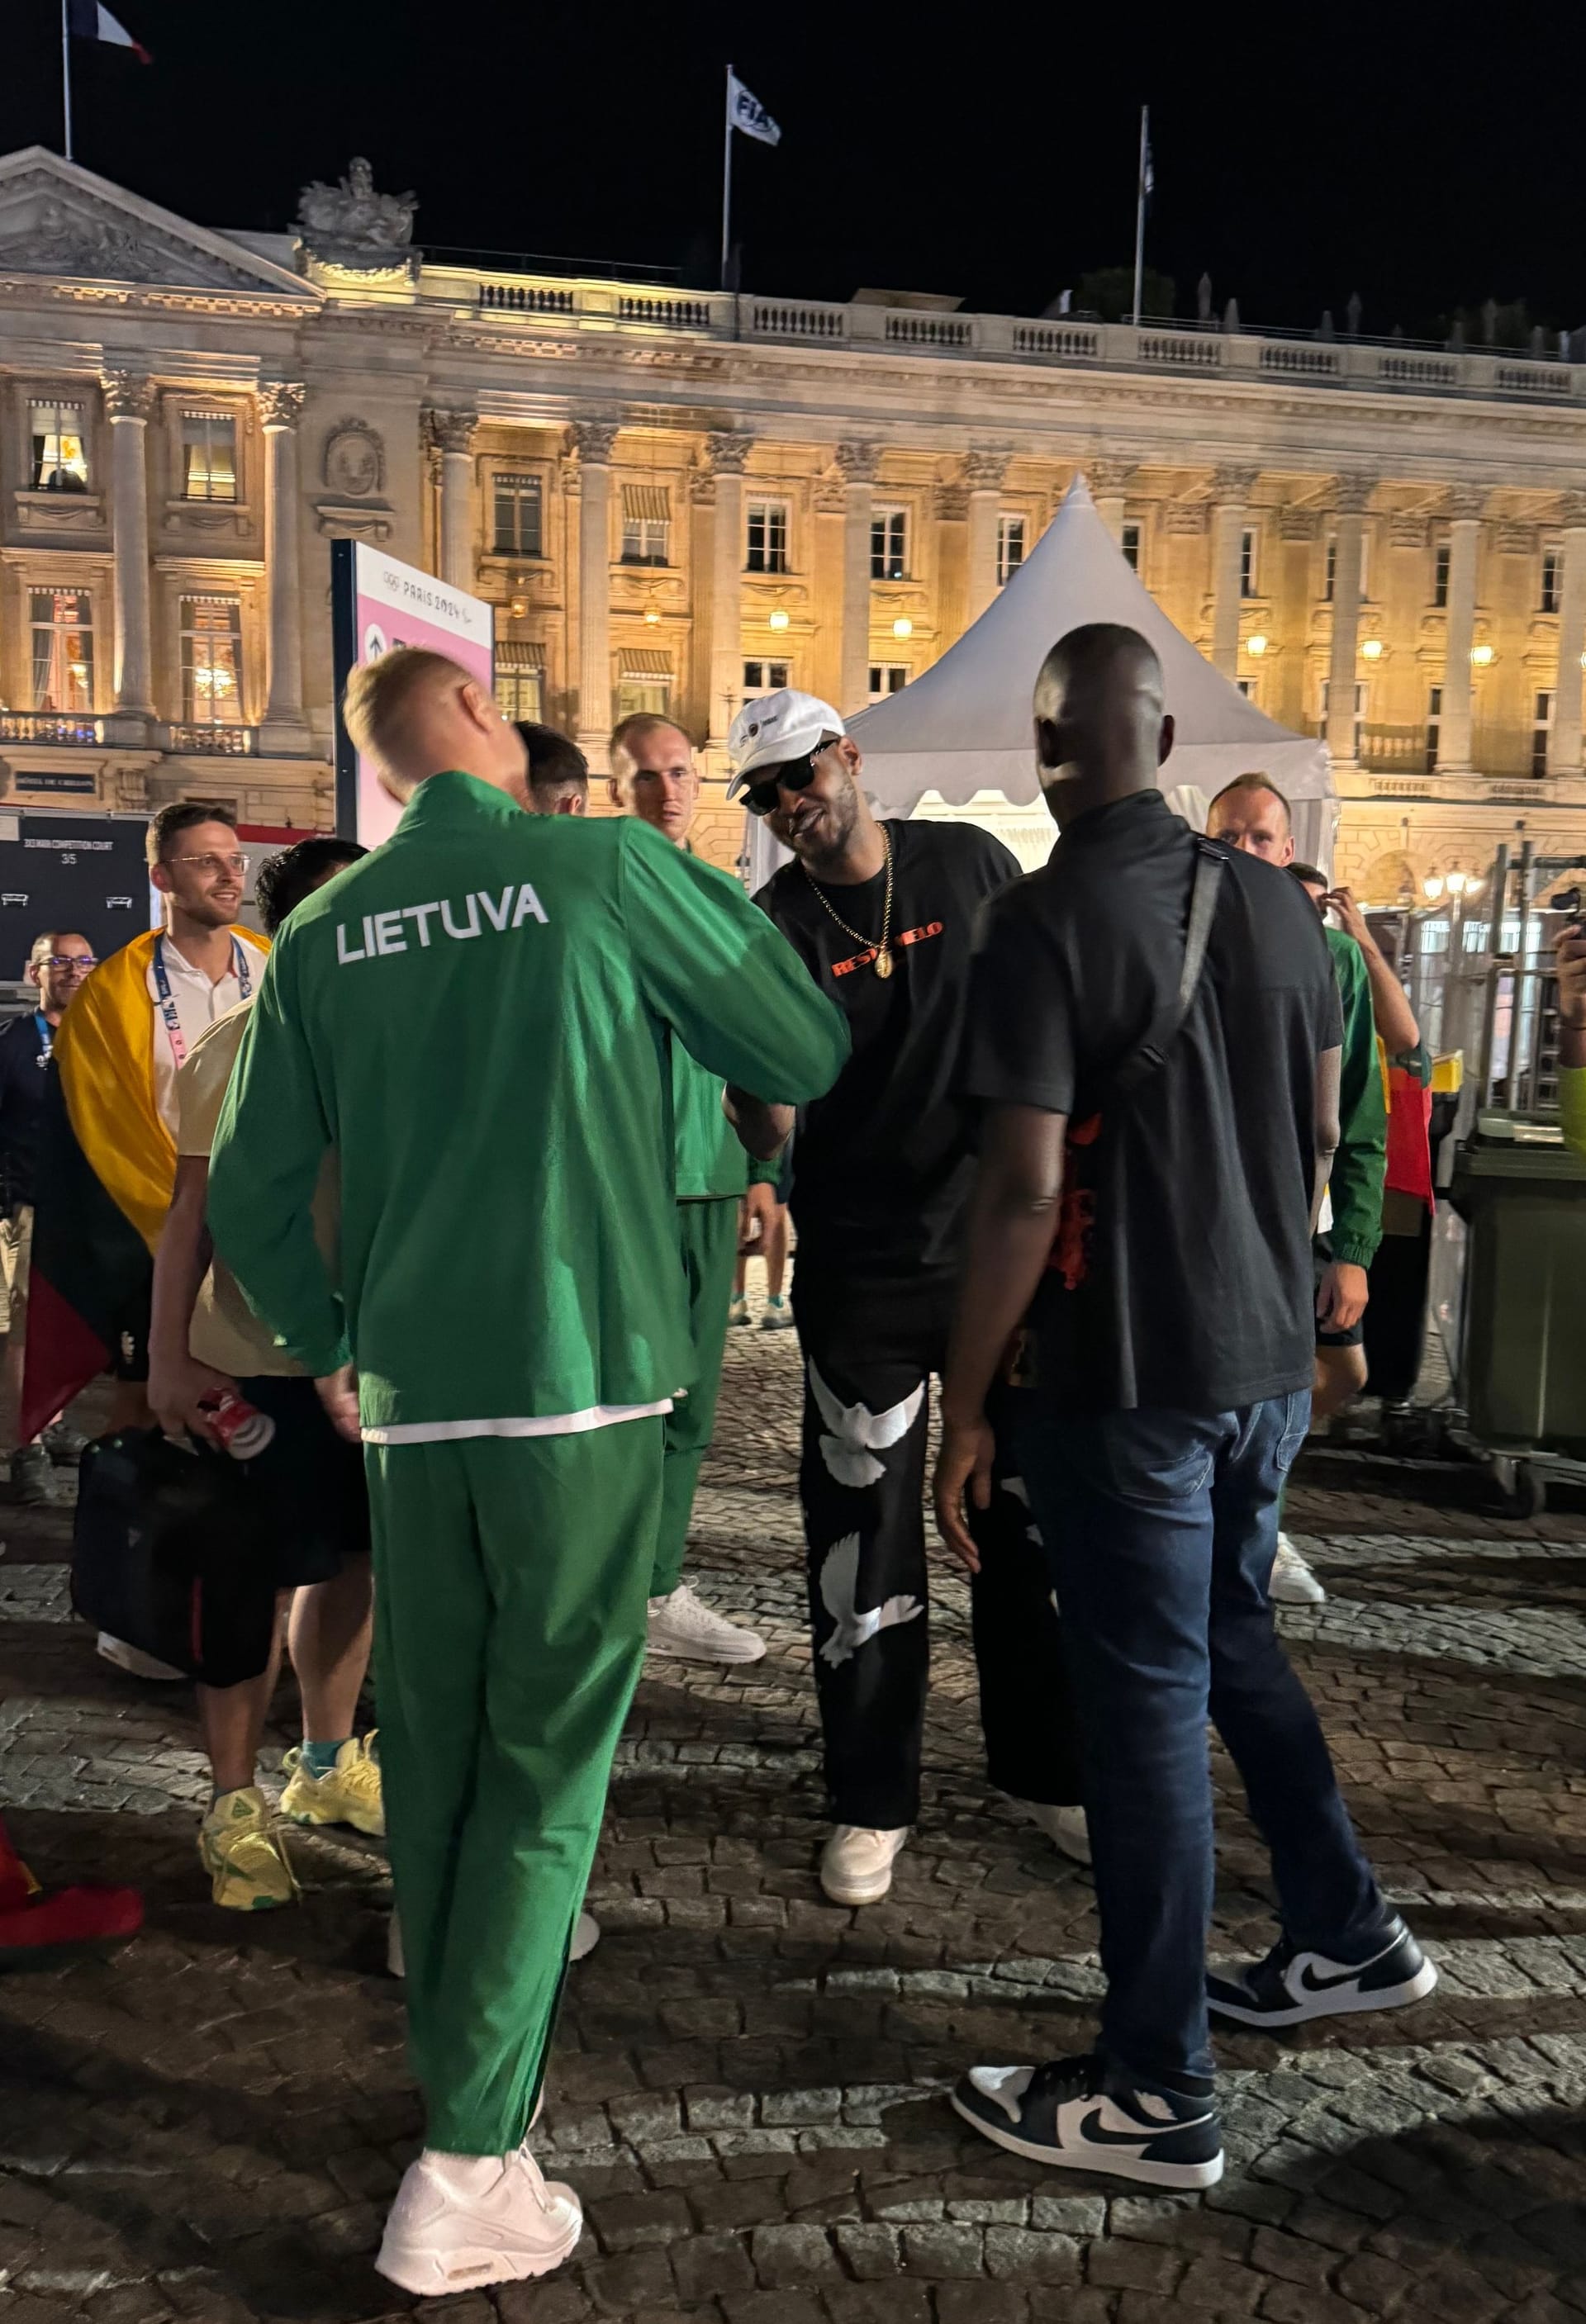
[170, 1553]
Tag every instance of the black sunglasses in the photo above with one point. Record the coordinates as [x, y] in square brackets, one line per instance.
[794, 775]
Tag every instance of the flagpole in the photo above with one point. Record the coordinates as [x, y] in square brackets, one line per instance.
[66, 74]
[1140, 213]
[727, 176]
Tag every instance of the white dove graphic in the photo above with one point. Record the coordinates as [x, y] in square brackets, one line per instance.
[855, 1432]
[839, 1587]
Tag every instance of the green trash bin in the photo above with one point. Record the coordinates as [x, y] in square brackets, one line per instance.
[1522, 1195]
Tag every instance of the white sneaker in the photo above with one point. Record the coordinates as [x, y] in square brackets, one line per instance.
[683, 1628]
[586, 1937]
[857, 1863]
[134, 1660]
[1066, 1828]
[463, 2220]
[1293, 1583]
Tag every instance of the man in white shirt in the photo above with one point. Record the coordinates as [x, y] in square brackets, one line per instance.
[202, 965]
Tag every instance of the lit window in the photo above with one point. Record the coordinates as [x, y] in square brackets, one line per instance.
[766, 550]
[212, 661]
[1247, 563]
[519, 677]
[1129, 542]
[887, 678]
[516, 525]
[1540, 729]
[1009, 547]
[64, 649]
[209, 456]
[60, 462]
[764, 678]
[1440, 574]
[644, 681]
[1552, 577]
[888, 545]
[647, 524]
[1433, 720]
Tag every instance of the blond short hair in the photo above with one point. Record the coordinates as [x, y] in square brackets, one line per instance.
[634, 729]
[381, 695]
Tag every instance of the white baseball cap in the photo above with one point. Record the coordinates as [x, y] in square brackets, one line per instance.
[776, 728]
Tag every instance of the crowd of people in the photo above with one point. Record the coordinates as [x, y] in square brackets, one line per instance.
[447, 1185]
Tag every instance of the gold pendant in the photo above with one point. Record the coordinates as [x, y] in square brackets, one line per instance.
[883, 962]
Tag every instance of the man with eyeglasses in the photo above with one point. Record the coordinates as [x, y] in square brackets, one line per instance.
[57, 965]
[107, 1154]
[884, 915]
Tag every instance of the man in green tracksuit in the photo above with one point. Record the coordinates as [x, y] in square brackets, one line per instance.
[476, 1018]
[653, 777]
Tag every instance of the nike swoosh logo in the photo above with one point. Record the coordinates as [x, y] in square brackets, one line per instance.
[1091, 2131]
[1311, 1983]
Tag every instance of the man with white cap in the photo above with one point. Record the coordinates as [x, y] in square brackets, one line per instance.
[884, 915]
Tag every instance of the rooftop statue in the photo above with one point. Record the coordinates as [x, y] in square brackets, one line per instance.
[353, 216]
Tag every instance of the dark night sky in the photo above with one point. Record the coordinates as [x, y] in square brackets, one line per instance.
[1426, 157]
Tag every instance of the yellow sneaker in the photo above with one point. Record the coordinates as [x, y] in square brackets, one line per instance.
[349, 1793]
[244, 1855]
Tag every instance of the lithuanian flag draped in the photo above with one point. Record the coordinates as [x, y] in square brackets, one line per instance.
[106, 1167]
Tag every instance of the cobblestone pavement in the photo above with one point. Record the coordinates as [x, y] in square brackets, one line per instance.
[747, 2085]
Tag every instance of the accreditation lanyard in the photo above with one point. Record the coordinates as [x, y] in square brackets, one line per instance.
[46, 1037]
[173, 1032]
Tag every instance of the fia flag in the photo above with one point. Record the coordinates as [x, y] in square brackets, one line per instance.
[91, 23]
[744, 112]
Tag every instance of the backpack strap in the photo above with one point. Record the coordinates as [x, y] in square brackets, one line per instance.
[1143, 1061]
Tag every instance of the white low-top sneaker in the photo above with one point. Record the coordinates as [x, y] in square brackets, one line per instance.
[683, 1628]
[1066, 1828]
[857, 1863]
[460, 2221]
[1293, 1583]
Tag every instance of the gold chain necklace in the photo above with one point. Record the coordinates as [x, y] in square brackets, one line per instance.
[883, 958]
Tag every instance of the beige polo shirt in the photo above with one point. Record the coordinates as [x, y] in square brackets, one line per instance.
[225, 1332]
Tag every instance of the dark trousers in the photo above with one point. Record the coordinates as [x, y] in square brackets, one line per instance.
[1161, 1528]
[870, 1348]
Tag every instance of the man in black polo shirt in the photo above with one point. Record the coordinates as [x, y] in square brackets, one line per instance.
[57, 963]
[1150, 1287]
[885, 914]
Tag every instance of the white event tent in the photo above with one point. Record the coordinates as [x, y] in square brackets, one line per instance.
[962, 730]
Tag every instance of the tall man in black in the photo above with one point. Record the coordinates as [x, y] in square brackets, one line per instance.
[1153, 1038]
[885, 914]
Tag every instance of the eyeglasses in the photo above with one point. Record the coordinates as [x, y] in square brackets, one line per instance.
[216, 864]
[761, 797]
[77, 962]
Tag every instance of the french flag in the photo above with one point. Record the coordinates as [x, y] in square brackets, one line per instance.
[91, 23]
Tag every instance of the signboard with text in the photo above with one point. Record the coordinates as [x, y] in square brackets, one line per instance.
[377, 603]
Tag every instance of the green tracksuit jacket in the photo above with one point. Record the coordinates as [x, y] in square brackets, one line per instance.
[1355, 1188]
[476, 1018]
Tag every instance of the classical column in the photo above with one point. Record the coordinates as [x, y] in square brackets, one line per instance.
[128, 401]
[1109, 481]
[453, 432]
[950, 507]
[1454, 734]
[281, 407]
[858, 463]
[982, 477]
[1350, 497]
[1231, 494]
[1563, 744]
[727, 455]
[593, 439]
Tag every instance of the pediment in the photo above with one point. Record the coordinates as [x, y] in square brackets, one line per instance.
[59, 220]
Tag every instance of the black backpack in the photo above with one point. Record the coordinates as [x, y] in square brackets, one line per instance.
[172, 1553]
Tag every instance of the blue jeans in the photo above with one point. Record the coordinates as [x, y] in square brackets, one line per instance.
[1161, 1528]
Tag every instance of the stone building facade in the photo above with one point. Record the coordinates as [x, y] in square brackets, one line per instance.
[675, 499]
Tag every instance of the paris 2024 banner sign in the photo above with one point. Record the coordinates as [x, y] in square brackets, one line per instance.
[377, 603]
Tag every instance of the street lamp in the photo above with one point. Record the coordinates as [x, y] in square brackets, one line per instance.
[1481, 656]
[903, 627]
[777, 619]
[1255, 646]
[1372, 650]
[1431, 887]
[1458, 882]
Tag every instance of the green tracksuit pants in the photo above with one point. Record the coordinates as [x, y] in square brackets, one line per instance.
[708, 1232]
[510, 1576]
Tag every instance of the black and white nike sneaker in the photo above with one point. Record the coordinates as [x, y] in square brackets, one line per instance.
[1291, 1988]
[1082, 2114]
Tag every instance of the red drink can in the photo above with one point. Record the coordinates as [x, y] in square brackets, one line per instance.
[242, 1429]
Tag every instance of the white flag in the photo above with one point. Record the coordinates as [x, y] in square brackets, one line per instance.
[749, 115]
[90, 22]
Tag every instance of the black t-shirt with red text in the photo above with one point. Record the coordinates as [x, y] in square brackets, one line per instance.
[883, 1165]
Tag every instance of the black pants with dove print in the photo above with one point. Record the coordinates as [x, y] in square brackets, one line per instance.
[870, 1348]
